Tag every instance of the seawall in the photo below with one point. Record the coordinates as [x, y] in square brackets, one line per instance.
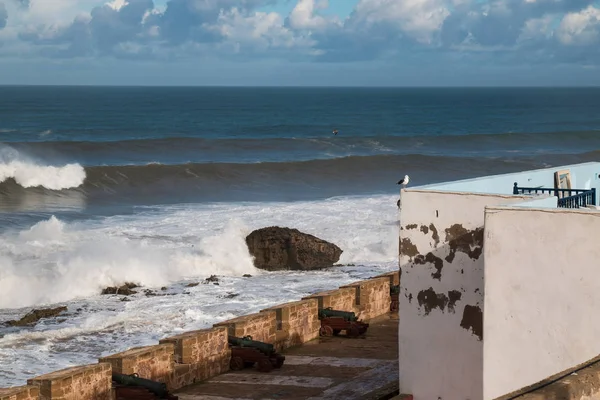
[195, 356]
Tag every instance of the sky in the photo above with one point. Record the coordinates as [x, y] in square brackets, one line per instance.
[300, 42]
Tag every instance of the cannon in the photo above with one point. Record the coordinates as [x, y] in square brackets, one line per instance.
[246, 352]
[134, 387]
[394, 293]
[335, 321]
[329, 313]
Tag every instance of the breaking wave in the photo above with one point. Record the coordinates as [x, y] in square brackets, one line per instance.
[298, 180]
[28, 173]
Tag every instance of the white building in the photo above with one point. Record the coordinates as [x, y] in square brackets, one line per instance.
[498, 291]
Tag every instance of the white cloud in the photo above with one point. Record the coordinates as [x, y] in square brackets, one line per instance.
[258, 30]
[580, 28]
[537, 28]
[419, 19]
[117, 4]
[303, 16]
[375, 28]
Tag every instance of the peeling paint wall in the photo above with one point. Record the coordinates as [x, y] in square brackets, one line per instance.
[541, 295]
[441, 298]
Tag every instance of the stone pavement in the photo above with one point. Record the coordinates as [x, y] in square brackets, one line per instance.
[332, 368]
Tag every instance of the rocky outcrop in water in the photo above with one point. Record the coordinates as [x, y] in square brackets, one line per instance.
[123, 289]
[35, 315]
[275, 248]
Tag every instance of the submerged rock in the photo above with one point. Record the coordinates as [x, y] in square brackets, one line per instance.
[213, 278]
[246, 276]
[123, 289]
[275, 248]
[35, 315]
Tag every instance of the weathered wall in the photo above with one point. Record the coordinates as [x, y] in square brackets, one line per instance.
[20, 393]
[296, 323]
[77, 383]
[150, 362]
[441, 298]
[541, 293]
[198, 355]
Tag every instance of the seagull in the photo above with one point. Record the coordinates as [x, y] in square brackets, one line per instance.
[404, 181]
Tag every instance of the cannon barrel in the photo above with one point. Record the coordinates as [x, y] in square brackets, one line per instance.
[247, 341]
[158, 388]
[328, 312]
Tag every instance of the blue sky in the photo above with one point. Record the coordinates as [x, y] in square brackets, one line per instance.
[300, 42]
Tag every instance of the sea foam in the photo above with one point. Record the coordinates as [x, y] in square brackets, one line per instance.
[69, 263]
[54, 262]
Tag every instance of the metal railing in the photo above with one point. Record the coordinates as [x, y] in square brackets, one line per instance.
[567, 198]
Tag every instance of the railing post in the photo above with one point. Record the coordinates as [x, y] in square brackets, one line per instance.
[515, 189]
[593, 196]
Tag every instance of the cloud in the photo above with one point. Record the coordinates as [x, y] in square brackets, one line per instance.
[3, 15]
[508, 31]
[580, 28]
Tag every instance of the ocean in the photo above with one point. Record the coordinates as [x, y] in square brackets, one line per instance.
[160, 186]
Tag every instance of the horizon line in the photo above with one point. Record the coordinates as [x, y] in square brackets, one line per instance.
[316, 86]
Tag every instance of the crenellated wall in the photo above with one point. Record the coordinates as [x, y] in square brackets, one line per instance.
[198, 355]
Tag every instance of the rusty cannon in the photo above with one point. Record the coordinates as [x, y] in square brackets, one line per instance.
[246, 352]
[394, 293]
[130, 387]
[335, 321]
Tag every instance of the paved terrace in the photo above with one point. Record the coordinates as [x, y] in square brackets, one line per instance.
[327, 368]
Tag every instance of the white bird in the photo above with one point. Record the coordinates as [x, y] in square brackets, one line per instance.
[404, 181]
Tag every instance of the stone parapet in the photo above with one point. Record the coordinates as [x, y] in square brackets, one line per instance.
[261, 326]
[149, 362]
[372, 297]
[20, 393]
[343, 299]
[198, 355]
[296, 322]
[91, 382]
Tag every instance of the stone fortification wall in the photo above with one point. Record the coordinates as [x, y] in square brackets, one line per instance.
[198, 355]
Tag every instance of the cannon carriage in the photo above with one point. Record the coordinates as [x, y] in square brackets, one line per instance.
[246, 352]
[335, 321]
[132, 387]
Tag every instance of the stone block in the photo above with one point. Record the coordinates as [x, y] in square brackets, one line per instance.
[373, 297]
[261, 326]
[297, 322]
[20, 393]
[343, 299]
[394, 277]
[88, 382]
[195, 346]
[150, 362]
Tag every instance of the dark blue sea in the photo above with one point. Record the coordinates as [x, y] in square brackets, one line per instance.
[160, 186]
[167, 145]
